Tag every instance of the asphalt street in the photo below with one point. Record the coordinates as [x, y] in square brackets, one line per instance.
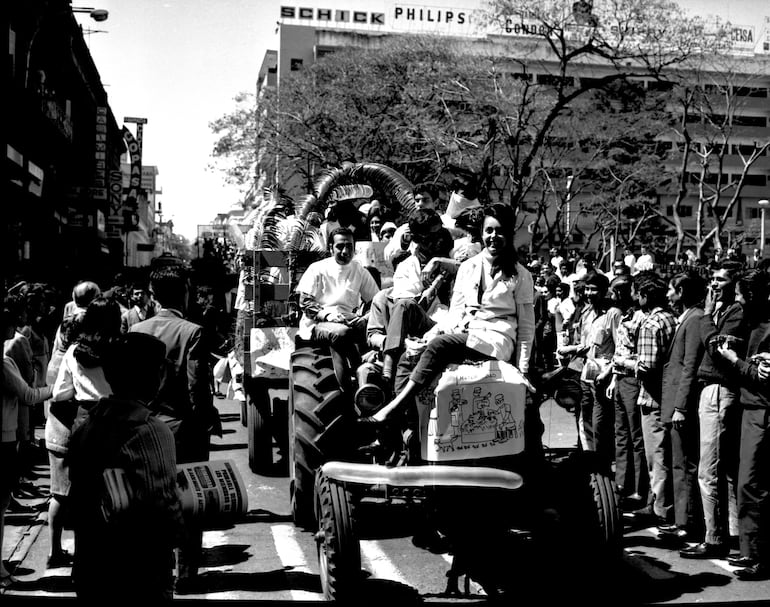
[264, 558]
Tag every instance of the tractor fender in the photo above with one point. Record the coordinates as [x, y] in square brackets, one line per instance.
[423, 476]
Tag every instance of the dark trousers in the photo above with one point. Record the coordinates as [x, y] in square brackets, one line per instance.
[597, 415]
[192, 445]
[685, 453]
[440, 352]
[342, 339]
[630, 461]
[754, 484]
[406, 318]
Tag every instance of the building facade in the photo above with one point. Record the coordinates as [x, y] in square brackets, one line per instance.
[308, 33]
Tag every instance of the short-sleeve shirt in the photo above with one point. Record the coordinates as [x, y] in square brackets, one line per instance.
[338, 288]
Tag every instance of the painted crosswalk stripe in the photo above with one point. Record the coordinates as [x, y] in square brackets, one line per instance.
[291, 556]
[379, 564]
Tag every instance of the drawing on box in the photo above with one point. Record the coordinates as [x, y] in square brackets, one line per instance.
[456, 418]
[489, 421]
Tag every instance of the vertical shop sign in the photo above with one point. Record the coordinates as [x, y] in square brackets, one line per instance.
[99, 191]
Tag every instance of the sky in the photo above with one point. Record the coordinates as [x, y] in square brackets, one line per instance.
[180, 64]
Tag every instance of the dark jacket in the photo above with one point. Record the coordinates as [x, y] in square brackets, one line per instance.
[713, 368]
[680, 384]
[754, 392]
[184, 400]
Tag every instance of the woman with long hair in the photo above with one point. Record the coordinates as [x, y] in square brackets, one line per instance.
[491, 314]
[80, 383]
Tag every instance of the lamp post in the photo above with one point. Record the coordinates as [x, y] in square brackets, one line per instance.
[567, 210]
[763, 204]
[97, 14]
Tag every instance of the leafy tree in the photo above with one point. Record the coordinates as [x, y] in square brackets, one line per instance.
[500, 107]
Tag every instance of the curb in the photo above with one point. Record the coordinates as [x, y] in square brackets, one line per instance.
[28, 538]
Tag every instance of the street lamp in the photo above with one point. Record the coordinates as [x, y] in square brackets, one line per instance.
[97, 14]
[568, 210]
[763, 204]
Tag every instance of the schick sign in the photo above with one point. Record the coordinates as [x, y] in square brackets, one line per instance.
[329, 16]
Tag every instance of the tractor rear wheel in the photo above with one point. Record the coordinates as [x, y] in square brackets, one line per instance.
[319, 427]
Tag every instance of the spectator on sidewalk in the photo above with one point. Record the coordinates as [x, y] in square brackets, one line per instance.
[653, 343]
[184, 400]
[79, 384]
[753, 371]
[631, 474]
[129, 554]
[679, 407]
[141, 308]
[719, 414]
[16, 392]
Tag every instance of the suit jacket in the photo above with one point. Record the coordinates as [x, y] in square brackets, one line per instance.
[184, 399]
[131, 316]
[680, 381]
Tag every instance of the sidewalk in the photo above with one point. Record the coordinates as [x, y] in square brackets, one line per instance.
[23, 529]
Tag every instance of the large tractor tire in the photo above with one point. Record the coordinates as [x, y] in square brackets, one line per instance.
[609, 523]
[339, 551]
[590, 505]
[259, 435]
[318, 425]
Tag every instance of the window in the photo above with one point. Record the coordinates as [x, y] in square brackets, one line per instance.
[685, 210]
[659, 85]
[750, 91]
[744, 148]
[755, 180]
[554, 80]
[760, 121]
[296, 65]
[752, 213]
[711, 178]
[719, 212]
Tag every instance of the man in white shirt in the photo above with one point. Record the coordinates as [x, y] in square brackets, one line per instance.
[332, 292]
[629, 259]
[645, 261]
[463, 197]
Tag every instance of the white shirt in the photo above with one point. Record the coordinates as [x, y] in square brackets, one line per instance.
[393, 247]
[338, 288]
[493, 324]
[78, 382]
